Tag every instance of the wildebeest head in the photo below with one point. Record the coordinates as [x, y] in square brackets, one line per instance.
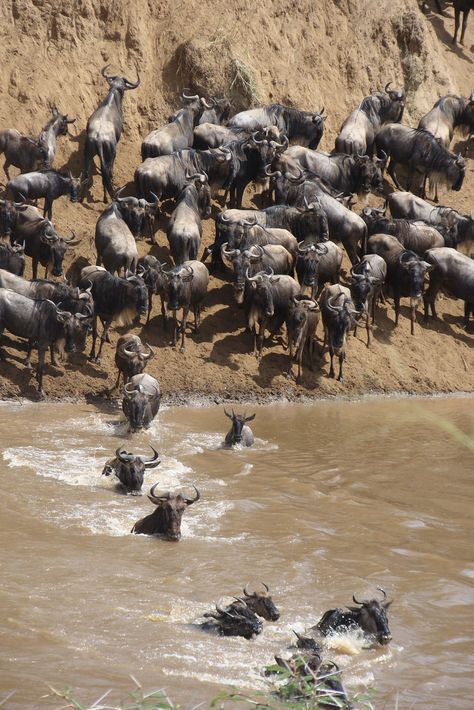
[76, 327]
[393, 112]
[308, 643]
[130, 468]
[196, 104]
[371, 616]
[152, 272]
[236, 620]
[314, 221]
[179, 280]
[261, 603]
[136, 404]
[53, 247]
[362, 286]
[201, 183]
[371, 215]
[131, 357]
[268, 146]
[62, 121]
[261, 284]
[370, 173]
[416, 269]
[238, 423]
[344, 319]
[307, 262]
[455, 173]
[140, 292]
[119, 83]
[75, 186]
[166, 518]
[8, 215]
[241, 261]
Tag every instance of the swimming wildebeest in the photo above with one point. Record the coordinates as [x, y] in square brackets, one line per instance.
[370, 615]
[239, 433]
[236, 620]
[166, 518]
[141, 401]
[130, 469]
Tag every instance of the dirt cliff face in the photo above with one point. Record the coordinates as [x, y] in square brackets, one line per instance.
[301, 53]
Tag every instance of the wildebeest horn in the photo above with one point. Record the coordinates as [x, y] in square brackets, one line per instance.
[355, 600]
[86, 294]
[128, 353]
[127, 390]
[154, 461]
[332, 307]
[285, 143]
[322, 111]
[227, 413]
[72, 239]
[248, 594]
[132, 84]
[303, 250]
[386, 86]
[207, 105]
[258, 254]
[254, 137]
[275, 173]
[257, 277]
[17, 247]
[188, 97]
[190, 501]
[123, 455]
[103, 72]
[149, 354]
[227, 252]
[383, 592]
[249, 222]
[122, 199]
[157, 499]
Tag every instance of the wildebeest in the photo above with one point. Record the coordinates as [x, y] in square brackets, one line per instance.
[209, 135]
[56, 126]
[236, 620]
[303, 127]
[218, 113]
[137, 213]
[8, 216]
[130, 469]
[370, 615]
[166, 175]
[23, 152]
[187, 287]
[178, 133]
[131, 357]
[317, 264]
[359, 129]
[115, 299]
[41, 241]
[166, 518]
[248, 234]
[448, 113]
[338, 313]
[345, 173]
[115, 244]
[267, 304]
[12, 258]
[49, 184]
[367, 280]
[62, 293]
[454, 273]
[152, 273]
[42, 323]
[420, 152]
[255, 258]
[415, 235]
[302, 322]
[461, 7]
[261, 603]
[407, 206]
[104, 129]
[185, 227]
[239, 433]
[405, 272]
[141, 401]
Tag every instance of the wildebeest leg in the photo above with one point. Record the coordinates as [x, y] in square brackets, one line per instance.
[104, 338]
[40, 369]
[46, 271]
[150, 305]
[429, 298]
[35, 267]
[468, 309]
[290, 360]
[342, 357]
[28, 354]
[53, 356]
[260, 338]
[464, 24]
[163, 313]
[197, 318]
[6, 165]
[412, 319]
[396, 299]
[48, 208]
[94, 339]
[331, 354]
[175, 328]
[391, 171]
[368, 328]
[183, 327]
[457, 13]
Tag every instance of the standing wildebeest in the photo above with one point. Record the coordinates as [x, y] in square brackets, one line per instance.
[165, 176]
[407, 206]
[56, 126]
[115, 244]
[23, 152]
[345, 173]
[178, 133]
[42, 323]
[454, 273]
[61, 293]
[405, 272]
[256, 258]
[218, 114]
[45, 183]
[152, 273]
[137, 213]
[303, 127]
[131, 357]
[338, 312]
[185, 227]
[130, 469]
[461, 7]
[104, 129]
[115, 299]
[187, 287]
[358, 131]
[8, 216]
[166, 518]
[141, 401]
[316, 264]
[267, 304]
[370, 616]
[422, 153]
[302, 322]
[250, 234]
[367, 280]
[12, 258]
[417, 236]
[239, 433]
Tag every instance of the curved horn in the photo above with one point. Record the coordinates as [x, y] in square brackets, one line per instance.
[248, 594]
[330, 305]
[188, 98]
[132, 84]
[103, 72]
[190, 501]
[386, 87]
[154, 461]
[355, 600]
[124, 458]
[303, 250]
[227, 413]
[322, 249]
[249, 222]
[157, 499]
[254, 134]
[256, 252]
[285, 143]
[383, 592]
[127, 390]
[228, 252]
[276, 173]
[149, 354]
[265, 586]
[252, 278]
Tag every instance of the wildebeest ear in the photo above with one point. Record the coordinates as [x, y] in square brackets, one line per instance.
[249, 419]
[387, 604]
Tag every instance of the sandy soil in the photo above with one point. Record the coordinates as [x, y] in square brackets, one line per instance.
[282, 51]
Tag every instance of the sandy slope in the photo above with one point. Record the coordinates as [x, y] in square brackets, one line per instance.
[301, 53]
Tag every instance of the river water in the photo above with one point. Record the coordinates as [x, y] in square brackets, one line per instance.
[335, 498]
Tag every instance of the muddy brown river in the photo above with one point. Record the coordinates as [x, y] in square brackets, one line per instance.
[335, 498]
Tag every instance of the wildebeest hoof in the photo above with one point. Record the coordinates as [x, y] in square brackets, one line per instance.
[181, 350]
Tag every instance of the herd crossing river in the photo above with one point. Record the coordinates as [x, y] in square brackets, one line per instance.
[334, 498]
